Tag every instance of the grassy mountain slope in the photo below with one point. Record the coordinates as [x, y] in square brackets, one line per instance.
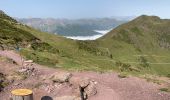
[135, 47]
[138, 47]
[13, 36]
[71, 54]
[144, 39]
[10, 36]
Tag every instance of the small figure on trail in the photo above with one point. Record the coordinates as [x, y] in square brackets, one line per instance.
[18, 48]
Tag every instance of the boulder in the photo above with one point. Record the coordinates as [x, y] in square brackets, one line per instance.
[91, 89]
[82, 82]
[28, 61]
[22, 70]
[26, 70]
[84, 85]
[61, 77]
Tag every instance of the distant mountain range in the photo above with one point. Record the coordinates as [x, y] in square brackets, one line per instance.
[79, 27]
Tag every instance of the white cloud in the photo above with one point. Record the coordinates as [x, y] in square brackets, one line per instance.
[94, 37]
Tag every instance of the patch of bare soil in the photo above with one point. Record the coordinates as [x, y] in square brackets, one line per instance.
[63, 85]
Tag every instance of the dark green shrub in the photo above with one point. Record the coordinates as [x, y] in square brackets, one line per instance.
[44, 47]
[123, 66]
[164, 89]
[143, 62]
[168, 75]
[137, 31]
[122, 75]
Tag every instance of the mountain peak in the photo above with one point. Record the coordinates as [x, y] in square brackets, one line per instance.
[1, 12]
[147, 18]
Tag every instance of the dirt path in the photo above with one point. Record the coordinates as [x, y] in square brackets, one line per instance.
[109, 85]
[131, 88]
[128, 62]
[12, 55]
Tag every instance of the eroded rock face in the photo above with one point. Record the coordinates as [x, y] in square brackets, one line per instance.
[91, 89]
[84, 86]
[61, 77]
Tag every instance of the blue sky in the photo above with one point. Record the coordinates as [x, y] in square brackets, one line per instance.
[73, 9]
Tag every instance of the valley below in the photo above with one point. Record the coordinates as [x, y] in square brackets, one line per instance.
[93, 37]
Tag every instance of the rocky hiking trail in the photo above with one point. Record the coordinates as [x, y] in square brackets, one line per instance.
[64, 85]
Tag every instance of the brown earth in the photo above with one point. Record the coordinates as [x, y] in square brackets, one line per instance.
[109, 86]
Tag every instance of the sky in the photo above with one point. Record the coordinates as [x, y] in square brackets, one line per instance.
[75, 9]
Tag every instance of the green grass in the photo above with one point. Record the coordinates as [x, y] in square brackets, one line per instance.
[164, 89]
[44, 58]
[146, 36]
[73, 55]
[95, 55]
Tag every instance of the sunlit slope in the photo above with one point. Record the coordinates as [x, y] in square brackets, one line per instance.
[146, 39]
[10, 36]
[138, 47]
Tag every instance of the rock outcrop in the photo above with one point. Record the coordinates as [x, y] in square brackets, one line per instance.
[84, 87]
[61, 77]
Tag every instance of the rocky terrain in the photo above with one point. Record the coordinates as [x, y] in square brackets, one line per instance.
[104, 69]
[68, 85]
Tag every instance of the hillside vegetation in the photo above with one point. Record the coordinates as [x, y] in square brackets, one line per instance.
[143, 42]
[138, 47]
[10, 36]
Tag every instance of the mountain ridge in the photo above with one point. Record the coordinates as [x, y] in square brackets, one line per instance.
[74, 27]
[139, 27]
